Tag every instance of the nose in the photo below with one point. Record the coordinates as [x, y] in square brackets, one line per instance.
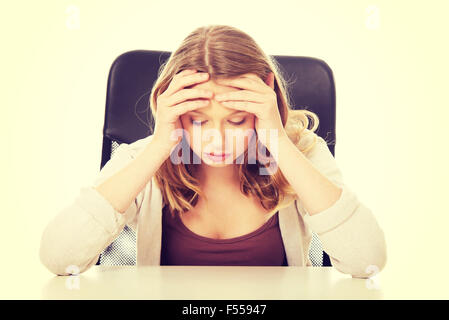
[216, 140]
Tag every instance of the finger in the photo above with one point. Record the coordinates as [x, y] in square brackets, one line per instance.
[243, 83]
[187, 106]
[179, 83]
[254, 108]
[242, 95]
[256, 78]
[187, 94]
[188, 71]
[185, 72]
[252, 76]
[172, 85]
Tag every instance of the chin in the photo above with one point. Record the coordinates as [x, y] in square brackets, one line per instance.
[217, 165]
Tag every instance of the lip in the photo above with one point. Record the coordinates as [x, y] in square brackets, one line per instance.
[217, 157]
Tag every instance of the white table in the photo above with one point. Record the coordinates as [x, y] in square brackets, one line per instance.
[210, 282]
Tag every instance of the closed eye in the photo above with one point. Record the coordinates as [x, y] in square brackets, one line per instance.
[200, 123]
[238, 123]
[197, 122]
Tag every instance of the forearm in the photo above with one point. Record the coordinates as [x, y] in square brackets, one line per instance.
[315, 190]
[348, 229]
[123, 187]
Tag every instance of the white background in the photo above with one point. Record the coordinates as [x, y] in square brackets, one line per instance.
[389, 60]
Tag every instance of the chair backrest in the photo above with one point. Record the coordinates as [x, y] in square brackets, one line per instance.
[128, 118]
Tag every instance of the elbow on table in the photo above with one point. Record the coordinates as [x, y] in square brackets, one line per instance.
[65, 267]
[367, 265]
[62, 263]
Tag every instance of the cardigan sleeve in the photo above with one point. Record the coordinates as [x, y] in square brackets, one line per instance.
[74, 239]
[348, 230]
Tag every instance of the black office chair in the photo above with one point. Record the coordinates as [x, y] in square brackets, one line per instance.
[128, 118]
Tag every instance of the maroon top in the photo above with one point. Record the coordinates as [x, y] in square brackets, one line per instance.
[181, 246]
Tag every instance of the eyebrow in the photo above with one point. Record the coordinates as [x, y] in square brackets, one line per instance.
[203, 114]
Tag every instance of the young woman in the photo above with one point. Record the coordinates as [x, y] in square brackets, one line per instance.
[232, 175]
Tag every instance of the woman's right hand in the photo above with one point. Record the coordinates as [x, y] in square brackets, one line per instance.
[171, 104]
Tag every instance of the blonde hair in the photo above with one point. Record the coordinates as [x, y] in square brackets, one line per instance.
[225, 52]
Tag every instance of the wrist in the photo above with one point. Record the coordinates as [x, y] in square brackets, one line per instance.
[273, 143]
[156, 146]
[283, 137]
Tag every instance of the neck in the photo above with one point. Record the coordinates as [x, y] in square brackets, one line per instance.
[213, 178]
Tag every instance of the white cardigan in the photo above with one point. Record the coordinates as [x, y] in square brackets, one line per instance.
[348, 230]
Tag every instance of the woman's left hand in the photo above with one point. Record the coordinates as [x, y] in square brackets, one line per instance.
[256, 97]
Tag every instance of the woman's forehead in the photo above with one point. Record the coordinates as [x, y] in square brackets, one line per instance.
[211, 113]
[215, 108]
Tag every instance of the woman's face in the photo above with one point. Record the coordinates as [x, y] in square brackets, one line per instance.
[218, 129]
